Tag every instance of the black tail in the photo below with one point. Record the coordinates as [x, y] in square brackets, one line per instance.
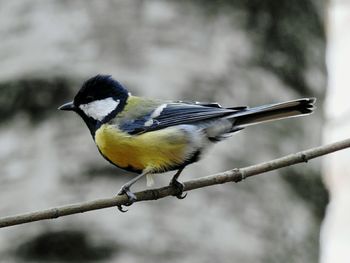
[264, 113]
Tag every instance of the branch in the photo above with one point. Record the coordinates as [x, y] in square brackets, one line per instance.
[234, 175]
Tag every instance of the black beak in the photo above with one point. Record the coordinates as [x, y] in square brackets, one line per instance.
[69, 106]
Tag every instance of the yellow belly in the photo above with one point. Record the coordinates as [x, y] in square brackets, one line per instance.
[157, 150]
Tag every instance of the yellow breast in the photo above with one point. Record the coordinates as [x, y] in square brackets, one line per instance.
[156, 150]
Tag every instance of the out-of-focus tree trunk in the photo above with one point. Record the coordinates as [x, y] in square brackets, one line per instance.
[335, 239]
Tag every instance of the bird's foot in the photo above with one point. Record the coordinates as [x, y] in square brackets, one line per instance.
[179, 187]
[131, 197]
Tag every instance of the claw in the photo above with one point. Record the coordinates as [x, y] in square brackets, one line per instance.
[121, 209]
[181, 196]
[179, 187]
[131, 198]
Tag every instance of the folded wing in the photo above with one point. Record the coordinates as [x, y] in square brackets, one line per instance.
[177, 113]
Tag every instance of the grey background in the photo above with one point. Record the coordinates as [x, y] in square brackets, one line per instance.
[234, 52]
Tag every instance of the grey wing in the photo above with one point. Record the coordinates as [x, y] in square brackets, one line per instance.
[178, 113]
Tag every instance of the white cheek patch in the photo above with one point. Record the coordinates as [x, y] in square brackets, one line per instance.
[99, 109]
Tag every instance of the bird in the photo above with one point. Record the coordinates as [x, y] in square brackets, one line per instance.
[149, 136]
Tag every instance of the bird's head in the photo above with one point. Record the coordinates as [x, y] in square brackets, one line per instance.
[98, 100]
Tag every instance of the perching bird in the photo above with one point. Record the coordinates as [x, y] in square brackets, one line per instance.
[148, 136]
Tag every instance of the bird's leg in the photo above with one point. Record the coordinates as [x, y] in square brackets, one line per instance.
[178, 185]
[126, 190]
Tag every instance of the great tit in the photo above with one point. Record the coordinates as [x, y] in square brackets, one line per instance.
[149, 136]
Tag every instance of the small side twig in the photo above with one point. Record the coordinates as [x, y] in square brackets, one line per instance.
[234, 175]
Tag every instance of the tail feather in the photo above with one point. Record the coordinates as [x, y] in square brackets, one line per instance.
[251, 116]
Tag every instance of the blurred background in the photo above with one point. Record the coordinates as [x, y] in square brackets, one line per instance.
[238, 52]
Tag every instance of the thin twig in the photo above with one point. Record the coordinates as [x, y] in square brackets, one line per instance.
[234, 175]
